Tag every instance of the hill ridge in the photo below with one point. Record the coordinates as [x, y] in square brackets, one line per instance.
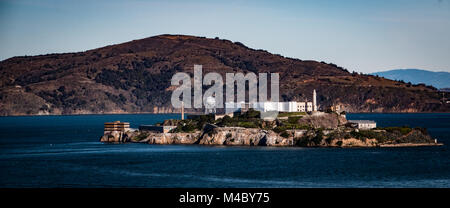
[438, 79]
[134, 77]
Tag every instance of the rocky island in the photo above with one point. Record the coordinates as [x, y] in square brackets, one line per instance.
[324, 129]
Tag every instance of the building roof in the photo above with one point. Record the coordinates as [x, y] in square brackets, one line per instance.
[117, 123]
[362, 121]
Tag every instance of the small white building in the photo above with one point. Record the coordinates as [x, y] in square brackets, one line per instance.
[309, 106]
[363, 124]
[291, 106]
[288, 106]
[301, 106]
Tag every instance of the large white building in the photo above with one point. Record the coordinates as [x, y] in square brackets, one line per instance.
[291, 106]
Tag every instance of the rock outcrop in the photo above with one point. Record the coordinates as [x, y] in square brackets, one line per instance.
[325, 121]
[243, 137]
[236, 136]
[115, 137]
[239, 136]
[172, 138]
[352, 142]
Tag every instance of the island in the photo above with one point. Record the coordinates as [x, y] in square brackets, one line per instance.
[288, 129]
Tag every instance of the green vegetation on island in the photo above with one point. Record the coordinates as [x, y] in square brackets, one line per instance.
[293, 129]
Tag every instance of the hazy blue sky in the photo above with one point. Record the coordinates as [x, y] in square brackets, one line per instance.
[363, 36]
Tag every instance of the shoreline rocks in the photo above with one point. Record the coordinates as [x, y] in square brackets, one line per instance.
[239, 136]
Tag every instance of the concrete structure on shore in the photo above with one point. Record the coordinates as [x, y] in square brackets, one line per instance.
[117, 126]
[362, 124]
[115, 131]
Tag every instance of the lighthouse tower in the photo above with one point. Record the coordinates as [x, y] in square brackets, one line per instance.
[314, 101]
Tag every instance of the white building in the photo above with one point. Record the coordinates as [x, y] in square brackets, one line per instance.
[309, 106]
[363, 124]
[291, 106]
[301, 106]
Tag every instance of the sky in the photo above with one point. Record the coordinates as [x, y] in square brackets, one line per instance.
[362, 36]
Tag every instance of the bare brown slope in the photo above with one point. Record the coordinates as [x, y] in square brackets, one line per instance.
[135, 77]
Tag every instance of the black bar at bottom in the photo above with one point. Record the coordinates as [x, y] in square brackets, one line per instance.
[223, 197]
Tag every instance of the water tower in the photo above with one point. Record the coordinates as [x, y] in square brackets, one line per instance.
[210, 105]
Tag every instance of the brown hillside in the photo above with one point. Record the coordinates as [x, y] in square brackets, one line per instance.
[134, 77]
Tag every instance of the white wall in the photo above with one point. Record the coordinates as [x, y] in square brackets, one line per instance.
[309, 106]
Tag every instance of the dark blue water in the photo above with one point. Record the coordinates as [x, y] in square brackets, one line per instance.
[64, 151]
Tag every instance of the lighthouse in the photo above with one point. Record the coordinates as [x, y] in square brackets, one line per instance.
[314, 101]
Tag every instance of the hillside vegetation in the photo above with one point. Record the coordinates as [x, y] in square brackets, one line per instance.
[134, 77]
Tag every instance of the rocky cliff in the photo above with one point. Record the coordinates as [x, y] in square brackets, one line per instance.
[232, 136]
[238, 136]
